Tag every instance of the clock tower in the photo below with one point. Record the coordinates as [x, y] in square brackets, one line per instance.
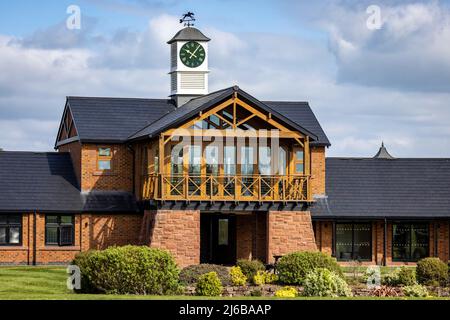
[189, 65]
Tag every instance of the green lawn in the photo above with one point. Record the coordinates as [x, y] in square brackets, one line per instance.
[49, 283]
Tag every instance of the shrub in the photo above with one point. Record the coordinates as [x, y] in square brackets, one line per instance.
[264, 277]
[250, 267]
[190, 274]
[416, 291]
[128, 270]
[237, 277]
[322, 282]
[286, 292]
[293, 268]
[403, 276]
[432, 272]
[209, 285]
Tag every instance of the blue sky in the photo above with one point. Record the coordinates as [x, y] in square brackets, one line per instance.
[365, 86]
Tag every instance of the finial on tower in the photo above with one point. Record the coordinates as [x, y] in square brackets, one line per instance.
[188, 19]
[383, 153]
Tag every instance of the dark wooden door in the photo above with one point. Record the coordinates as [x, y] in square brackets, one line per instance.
[218, 243]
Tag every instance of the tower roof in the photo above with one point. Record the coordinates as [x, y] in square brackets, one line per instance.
[383, 153]
[189, 34]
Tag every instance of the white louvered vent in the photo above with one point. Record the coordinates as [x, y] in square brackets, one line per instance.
[174, 55]
[173, 81]
[192, 81]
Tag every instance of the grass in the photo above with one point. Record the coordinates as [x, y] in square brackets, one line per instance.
[49, 283]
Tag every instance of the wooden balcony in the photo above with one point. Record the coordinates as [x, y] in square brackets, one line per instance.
[279, 188]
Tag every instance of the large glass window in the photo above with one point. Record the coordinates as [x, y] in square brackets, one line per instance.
[212, 168]
[247, 163]
[176, 169]
[353, 241]
[410, 241]
[10, 229]
[229, 168]
[59, 230]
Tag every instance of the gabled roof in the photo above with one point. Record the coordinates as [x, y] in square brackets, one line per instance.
[202, 103]
[113, 120]
[118, 120]
[189, 34]
[46, 182]
[372, 187]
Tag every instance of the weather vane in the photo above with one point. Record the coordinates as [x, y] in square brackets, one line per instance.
[188, 19]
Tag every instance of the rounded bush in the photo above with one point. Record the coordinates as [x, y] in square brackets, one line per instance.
[293, 268]
[325, 283]
[250, 267]
[209, 285]
[402, 276]
[286, 292]
[190, 274]
[237, 277]
[432, 272]
[416, 291]
[264, 277]
[128, 270]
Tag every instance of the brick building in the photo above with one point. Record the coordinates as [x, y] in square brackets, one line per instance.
[214, 177]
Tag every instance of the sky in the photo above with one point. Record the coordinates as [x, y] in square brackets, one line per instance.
[369, 77]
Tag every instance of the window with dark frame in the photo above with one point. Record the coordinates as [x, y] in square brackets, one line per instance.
[353, 241]
[59, 230]
[10, 229]
[410, 241]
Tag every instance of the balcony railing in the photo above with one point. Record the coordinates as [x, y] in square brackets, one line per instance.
[282, 188]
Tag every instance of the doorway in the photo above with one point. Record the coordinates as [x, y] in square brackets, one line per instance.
[218, 238]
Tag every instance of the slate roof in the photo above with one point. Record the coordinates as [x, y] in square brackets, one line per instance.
[396, 188]
[302, 113]
[189, 34]
[113, 120]
[191, 108]
[46, 182]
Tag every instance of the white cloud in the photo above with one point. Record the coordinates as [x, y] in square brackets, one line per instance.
[356, 117]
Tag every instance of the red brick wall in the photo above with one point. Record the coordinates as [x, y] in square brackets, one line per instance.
[289, 231]
[318, 170]
[119, 178]
[98, 232]
[251, 236]
[177, 231]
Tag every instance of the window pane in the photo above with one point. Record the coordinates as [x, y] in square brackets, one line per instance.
[344, 241]
[66, 236]
[195, 159]
[230, 160]
[52, 219]
[104, 152]
[2, 235]
[299, 155]
[51, 235]
[361, 242]
[419, 241]
[14, 235]
[299, 168]
[66, 219]
[265, 161]
[104, 164]
[223, 232]
[401, 242]
[15, 219]
[282, 162]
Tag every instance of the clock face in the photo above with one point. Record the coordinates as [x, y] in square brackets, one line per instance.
[192, 54]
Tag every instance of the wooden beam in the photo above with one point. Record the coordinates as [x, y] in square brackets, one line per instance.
[231, 133]
[245, 120]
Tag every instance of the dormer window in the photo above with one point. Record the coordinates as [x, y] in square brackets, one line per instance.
[104, 159]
